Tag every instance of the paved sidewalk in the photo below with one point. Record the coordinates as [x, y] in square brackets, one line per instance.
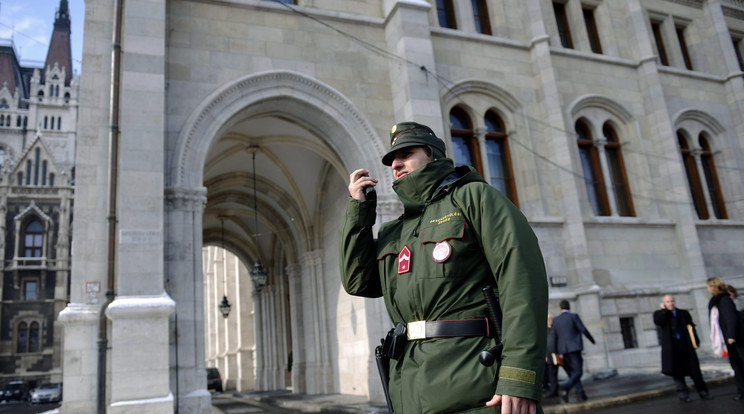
[621, 387]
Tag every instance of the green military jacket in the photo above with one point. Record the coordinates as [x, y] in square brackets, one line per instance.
[491, 244]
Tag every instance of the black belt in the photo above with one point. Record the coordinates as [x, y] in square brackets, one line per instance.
[447, 329]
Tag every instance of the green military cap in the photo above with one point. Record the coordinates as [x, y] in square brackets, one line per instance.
[412, 134]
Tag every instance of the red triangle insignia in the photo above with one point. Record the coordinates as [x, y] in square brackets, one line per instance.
[404, 260]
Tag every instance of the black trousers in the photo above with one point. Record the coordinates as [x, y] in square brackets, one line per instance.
[550, 382]
[697, 378]
[573, 363]
[736, 359]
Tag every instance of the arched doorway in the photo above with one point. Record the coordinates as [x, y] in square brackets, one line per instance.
[305, 137]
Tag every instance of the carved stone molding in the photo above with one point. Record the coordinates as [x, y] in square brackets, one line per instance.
[293, 271]
[313, 258]
[698, 4]
[190, 199]
[734, 13]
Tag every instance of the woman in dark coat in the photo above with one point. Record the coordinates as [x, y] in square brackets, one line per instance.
[732, 328]
[678, 356]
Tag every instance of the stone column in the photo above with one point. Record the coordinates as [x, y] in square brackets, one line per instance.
[734, 80]
[664, 141]
[415, 91]
[81, 316]
[318, 348]
[299, 363]
[609, 187]
[562, 146]
[480, 135]
[141, 311]
[139, 354]
[185, 283]
[564, 154]
[696, 155]
[80, 358]
[245, 315]
[260, 350]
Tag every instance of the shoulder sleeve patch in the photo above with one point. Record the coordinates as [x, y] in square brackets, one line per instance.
[517, 374]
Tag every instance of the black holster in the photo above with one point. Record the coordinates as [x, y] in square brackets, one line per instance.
[391, 348]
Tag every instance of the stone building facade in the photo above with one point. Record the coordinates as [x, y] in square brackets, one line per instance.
[615, 126]
[38, 120]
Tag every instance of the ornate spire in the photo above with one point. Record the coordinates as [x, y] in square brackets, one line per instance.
[60, 51]
[62, 18]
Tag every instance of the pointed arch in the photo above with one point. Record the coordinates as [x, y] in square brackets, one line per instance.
[598, 101]
[481, 87]
[317, 106]
[701, 117]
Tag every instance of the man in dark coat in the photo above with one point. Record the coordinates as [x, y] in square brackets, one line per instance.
[565, 338]
[678, 357]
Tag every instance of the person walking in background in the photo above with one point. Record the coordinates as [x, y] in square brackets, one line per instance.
[550, 382]
[565, 337]
[678, 343]
[723, 315]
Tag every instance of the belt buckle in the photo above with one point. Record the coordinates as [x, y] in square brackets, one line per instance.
[416, 330]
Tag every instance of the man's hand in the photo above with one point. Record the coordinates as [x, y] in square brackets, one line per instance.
[513, 405]
[731, 341]
[357, 184]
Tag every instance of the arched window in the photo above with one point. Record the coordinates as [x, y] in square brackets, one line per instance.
[2, 120]
[22, 337]
[2, 157]
[33, 337]
[711, 178]
[693, 179]
[46, 122]
[4, 103]
[592, 170]
[446, 14]
[499, 161]
[616, 166]
[51, 90]
[28, 338]
[59, 122]
[18, 122]
[40, 95]
[33, 240]
[56, 90]
[464, 143]
[28, 172]
[51, 123]
[51, 180]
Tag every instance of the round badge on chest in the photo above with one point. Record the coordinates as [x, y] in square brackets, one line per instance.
[442, 252]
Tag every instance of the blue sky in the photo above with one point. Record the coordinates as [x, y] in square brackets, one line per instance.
[30, 23]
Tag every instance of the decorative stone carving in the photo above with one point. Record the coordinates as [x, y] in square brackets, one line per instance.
[190, 199]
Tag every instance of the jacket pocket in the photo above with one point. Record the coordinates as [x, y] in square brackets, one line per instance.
[442, 244]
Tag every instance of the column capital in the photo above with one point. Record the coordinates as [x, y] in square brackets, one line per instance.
[480, 132]
[599, 143]
[293, 271]
[313, 257]
[696, 152]
[191, 199]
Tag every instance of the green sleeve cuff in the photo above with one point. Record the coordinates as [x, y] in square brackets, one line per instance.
[518, 382]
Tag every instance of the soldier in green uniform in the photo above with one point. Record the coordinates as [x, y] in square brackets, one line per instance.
[457, 235]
